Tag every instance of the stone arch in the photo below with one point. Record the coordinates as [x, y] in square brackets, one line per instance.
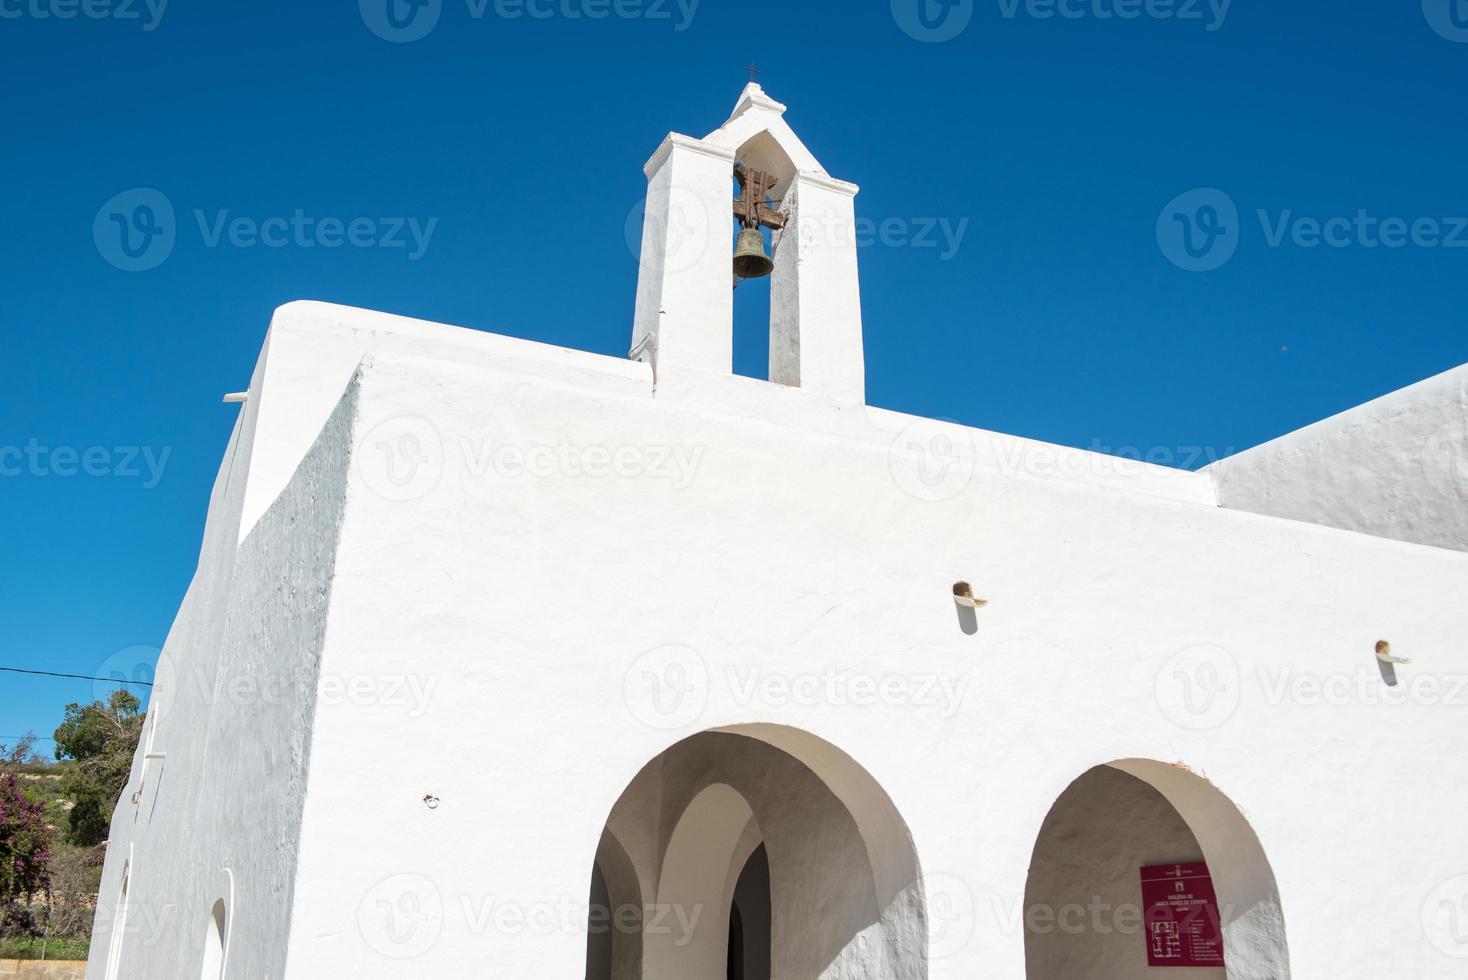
[614, 940]
[845, 883]
[687, 935]
[1109, 823]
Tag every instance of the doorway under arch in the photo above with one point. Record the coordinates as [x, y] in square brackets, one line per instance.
[764, 851]
[1086, 910]
[750, 920]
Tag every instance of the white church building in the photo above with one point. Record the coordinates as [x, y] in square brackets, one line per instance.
[505, 660]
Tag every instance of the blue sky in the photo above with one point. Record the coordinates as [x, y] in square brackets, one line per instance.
[1042, 168]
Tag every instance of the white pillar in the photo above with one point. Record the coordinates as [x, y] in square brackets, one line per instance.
[815, 299]
[685, 284]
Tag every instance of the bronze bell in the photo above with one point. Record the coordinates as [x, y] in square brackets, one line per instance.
[750, 260]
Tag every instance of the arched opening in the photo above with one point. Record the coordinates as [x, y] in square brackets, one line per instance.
[755, 298]
[212, 967]
[763, 851]
[1142, 868]
[749, 920]
[688, 934]
[614, 924]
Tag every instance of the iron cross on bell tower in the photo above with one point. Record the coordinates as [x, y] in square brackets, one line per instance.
[754, 213]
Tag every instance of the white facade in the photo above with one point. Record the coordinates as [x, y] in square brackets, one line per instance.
[1395, 467]
[486, 631]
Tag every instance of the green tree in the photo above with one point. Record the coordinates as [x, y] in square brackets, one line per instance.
[102, 738]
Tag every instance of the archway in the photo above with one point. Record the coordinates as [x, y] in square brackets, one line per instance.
[770, 839]
[614, 922]
[1209, 901]
[757, 301]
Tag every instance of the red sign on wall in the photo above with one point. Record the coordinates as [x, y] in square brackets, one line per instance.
[1182, 920]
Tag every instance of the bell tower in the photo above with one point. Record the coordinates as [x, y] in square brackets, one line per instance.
[684, 318]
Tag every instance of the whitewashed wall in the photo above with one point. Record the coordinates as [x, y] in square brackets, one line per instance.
[219, 816]
[482, 695]
[800, 544]
[1395, 467]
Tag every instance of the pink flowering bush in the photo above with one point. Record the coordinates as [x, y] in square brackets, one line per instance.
[25, 844]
